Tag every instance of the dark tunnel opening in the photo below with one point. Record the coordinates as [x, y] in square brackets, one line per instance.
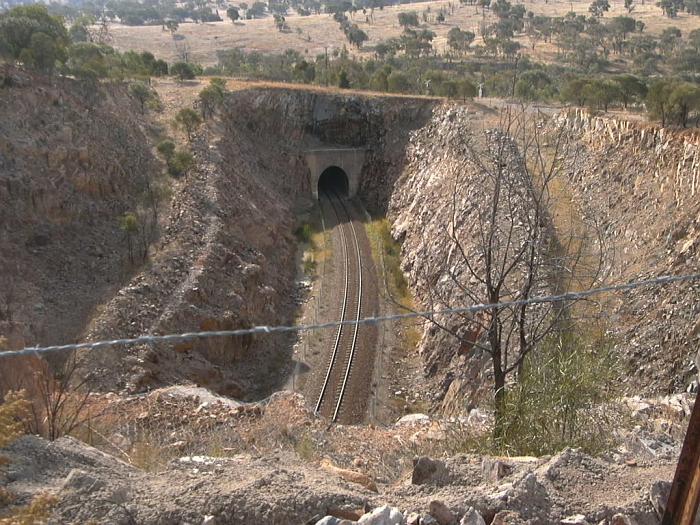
[333, 180]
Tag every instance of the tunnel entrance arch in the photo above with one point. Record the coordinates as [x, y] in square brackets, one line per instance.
[334, 180]
[349, 160]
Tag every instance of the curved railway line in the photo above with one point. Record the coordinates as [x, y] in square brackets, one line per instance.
[335, 385]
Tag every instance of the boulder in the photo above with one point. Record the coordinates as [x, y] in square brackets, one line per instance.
[427, 470]
[576, 519]
[442, 513]
[658, 495]
[328, 520]
[413, 519]
[80, 481]
[472, 517]
[412, 419]
[382, 516]
[493, 469]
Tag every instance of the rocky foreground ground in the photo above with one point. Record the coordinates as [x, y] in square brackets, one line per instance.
[212, 461]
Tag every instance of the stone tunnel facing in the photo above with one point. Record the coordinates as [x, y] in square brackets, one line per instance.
[333, 180]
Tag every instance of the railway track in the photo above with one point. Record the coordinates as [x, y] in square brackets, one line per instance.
[335, 385]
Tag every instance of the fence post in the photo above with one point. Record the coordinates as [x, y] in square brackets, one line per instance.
[682, 505]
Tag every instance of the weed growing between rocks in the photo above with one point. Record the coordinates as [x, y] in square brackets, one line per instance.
[36, 513]
[12, 410]
[562, 399]
[387, 255]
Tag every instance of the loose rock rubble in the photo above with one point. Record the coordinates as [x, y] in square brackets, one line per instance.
[283, 466]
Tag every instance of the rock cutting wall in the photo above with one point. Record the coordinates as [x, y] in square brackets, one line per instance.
[227, 257]
[73, 160]
[641, 182]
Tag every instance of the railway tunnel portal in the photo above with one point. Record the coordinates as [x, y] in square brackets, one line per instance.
[339, 169]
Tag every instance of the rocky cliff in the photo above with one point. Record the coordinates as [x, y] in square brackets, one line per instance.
[638, 182]
[642, 181]
[73, 159]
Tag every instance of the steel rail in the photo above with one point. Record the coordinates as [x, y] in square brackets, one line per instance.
[342, 314]
[346, 378]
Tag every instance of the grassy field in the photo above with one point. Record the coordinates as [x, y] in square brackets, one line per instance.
[311, 35]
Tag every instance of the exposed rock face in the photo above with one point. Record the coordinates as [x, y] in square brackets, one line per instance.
[443, 195]
[639, 183]
[642, 184]
[73, 159]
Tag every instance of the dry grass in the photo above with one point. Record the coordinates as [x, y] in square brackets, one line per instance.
[311, 35]
[36, 513]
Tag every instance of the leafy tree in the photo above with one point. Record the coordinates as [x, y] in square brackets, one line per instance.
[187, 120]
[232, 13]
[183, 71]
[670, 8]
[466, 89]
[87, 61]
[210, 98]
[408, 19]
[343, 81]
[43, 53]
[304, 72]
[632, 89]
[172, 26]
[380, 79]
[501, 8]
[657, 100]
[79, 31]
[356, 36]
[669, 40]
[397, 82]
[142, 93]
[601, 93]
[459, 40]
[599, 7]
[684, 98]
[534, 85]
[180, 163]
[573, 91]
[279, 21]
[256, 10]
[32, 35]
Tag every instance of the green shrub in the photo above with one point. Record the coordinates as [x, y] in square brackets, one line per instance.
[180, 162]
[304, 233]
[563, 398]
[166, 148]
[392, 261]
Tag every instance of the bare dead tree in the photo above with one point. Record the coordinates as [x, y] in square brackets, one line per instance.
[58, 394]
[503, 245]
